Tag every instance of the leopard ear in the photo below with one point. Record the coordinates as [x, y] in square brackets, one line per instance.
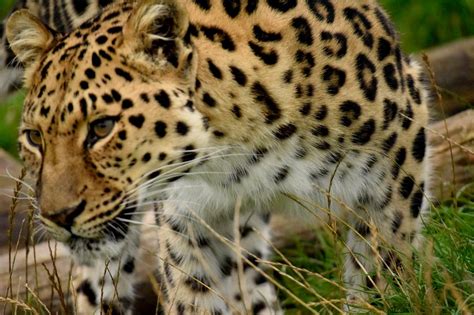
[156, 28]
[28, 37]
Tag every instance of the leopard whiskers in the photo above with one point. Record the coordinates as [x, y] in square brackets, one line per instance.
[171, 168]
[5, 192]
[154, 202]
[140, 223]
[151, 203]
[16, 179]
[156, 192]
[161, 181]
[116, 227]
[127, 237]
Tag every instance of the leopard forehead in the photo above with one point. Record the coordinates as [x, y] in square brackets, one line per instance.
[76, 69]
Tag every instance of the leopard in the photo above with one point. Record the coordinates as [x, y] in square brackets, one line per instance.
[219, 114]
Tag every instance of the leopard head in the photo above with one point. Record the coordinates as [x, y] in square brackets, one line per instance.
[109, 110]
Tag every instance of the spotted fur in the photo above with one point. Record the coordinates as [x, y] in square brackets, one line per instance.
[213, 103]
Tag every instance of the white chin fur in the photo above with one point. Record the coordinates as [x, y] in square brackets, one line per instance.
[9, 77]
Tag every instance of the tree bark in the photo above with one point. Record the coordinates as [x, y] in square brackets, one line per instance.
[453, 67]
[452, 142]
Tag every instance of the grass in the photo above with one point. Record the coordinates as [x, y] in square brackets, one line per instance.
[441, 281]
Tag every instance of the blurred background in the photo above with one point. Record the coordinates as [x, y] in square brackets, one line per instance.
[422, 24]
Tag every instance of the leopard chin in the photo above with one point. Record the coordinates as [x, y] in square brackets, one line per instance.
[86, 251]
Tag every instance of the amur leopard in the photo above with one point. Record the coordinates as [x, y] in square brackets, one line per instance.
[219, 113]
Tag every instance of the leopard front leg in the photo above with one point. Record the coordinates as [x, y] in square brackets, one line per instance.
[255, 294]
[199, 266]
[385, 228]
[105, 287]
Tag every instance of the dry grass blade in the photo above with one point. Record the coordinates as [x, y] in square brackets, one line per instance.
[157, 290]
[106, 267]
[462, 306]
[240, 264]
[238, 252]
[56, 278]
[300, 275]
[11, 218]
[28, 240]
[18, 303]
[428, 274]
[37, 299]
[54, 286]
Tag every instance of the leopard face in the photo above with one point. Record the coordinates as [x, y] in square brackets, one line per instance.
[105, 115]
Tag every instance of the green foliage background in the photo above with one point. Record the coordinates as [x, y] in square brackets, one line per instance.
[5, 6]
[426, 23]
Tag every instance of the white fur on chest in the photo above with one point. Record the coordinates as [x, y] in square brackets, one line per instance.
[270, 182]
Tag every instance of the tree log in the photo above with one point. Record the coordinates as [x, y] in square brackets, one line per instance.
[9, 167]
[453, 67]
[453, 168]
[452, 154]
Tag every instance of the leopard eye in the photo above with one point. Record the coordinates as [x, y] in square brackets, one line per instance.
[100, 129]
[34, 138]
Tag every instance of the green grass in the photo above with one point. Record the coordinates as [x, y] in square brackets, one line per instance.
[441, 281]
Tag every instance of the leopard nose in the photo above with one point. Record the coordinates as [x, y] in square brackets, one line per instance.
[65, 217]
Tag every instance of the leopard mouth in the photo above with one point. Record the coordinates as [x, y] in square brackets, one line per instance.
[117, 228]
[112, 240]
[113, 230]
